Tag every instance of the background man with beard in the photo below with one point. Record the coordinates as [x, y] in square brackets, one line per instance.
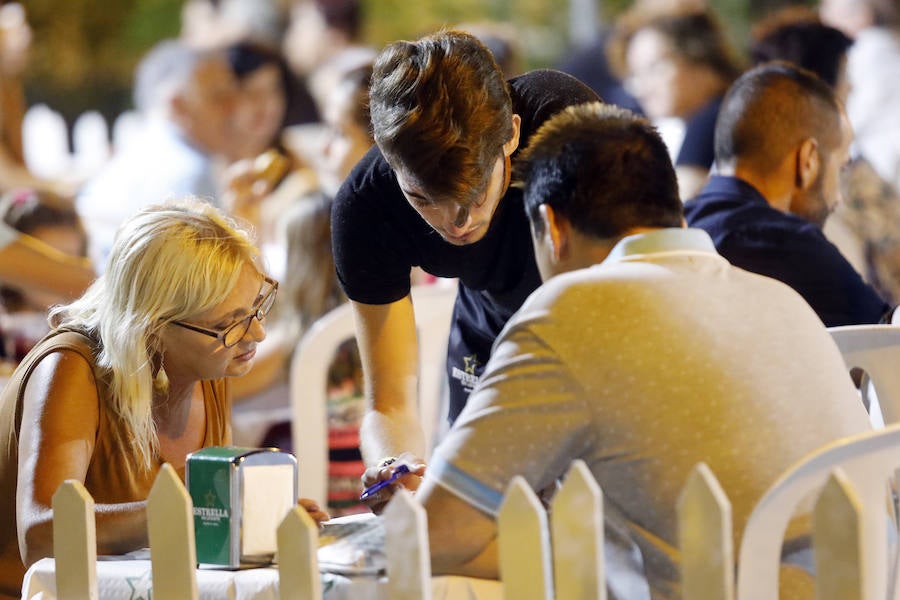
[781, 141]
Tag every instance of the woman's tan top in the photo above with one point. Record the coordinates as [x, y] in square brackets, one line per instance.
[114, 474]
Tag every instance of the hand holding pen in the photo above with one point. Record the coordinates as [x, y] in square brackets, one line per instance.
[382, 480]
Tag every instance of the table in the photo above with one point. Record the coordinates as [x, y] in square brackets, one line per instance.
[131, 580]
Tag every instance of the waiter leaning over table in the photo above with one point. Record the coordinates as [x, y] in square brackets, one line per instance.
[434, 193]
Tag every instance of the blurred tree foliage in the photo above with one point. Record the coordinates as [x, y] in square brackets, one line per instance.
[85, 51]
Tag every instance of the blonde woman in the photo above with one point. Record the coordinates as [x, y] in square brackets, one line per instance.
[132, 376]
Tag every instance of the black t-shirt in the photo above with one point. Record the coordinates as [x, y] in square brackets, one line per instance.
[377, 237]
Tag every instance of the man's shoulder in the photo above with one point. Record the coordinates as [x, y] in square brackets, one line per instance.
[371, 175]
[540, 94]
[728, 206]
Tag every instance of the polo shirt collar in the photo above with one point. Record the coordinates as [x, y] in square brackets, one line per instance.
[675, 239]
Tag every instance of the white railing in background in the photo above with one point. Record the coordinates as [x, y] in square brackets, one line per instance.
[45, 143]
[90, 142]
[525, 551]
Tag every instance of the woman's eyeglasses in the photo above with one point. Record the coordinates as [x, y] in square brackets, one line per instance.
[234, 333]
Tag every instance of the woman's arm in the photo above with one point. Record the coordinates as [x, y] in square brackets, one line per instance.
[60, 419]
[28, 262]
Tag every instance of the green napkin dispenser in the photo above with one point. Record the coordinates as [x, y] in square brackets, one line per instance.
[240, 497]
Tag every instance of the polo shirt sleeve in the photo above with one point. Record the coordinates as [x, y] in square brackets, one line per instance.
[528, 417]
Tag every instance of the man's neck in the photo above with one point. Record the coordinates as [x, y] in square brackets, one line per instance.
[593, 250]
[769, 187]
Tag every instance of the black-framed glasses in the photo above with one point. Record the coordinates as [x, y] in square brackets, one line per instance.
[234, 333]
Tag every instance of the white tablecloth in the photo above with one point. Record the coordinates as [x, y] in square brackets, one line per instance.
[132, 580]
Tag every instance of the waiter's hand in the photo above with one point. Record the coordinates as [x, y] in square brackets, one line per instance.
[383, 471]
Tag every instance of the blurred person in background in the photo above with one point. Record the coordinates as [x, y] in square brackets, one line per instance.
[324, 40]
[503, 42]
[15, 42]
[678, 62]
[52, 220]
[186, 97]
[257, 23]
[265, 176]
[873, 74]
[217, 23]
[782, 139]
[866, 225]
[264, 85]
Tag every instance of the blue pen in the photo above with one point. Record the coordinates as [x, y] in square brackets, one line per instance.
[400, 471]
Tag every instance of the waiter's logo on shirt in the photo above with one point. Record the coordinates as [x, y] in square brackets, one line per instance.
[472, 363]
[466, 376]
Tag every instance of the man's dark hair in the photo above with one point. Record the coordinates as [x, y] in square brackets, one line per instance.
[807, 44]
[441, 112]
[771, 109]
[603, 168]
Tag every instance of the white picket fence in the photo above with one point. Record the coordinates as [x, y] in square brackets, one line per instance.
[531, 567]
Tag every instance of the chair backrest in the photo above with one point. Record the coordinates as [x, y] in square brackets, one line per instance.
[869, 460]
[433, 305]
[876, 350]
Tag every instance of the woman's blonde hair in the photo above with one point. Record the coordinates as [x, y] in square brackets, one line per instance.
[167, 263]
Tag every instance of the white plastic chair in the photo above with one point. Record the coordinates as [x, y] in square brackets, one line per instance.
[433, 305]
[869, 460]
[876, 350]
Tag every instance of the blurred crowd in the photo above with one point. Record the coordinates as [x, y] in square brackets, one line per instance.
[260, 106]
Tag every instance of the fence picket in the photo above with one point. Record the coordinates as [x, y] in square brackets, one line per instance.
[576, 521]
[170, 524]
[524, 545]
[74, 542]
[298, 566]
[407, 550]
[705, 538]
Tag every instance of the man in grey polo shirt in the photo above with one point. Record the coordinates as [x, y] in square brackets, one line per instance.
[644, 353]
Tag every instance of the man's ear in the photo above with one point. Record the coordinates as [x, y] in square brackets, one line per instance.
[556, 228]
[808, 163]
[510, 146]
